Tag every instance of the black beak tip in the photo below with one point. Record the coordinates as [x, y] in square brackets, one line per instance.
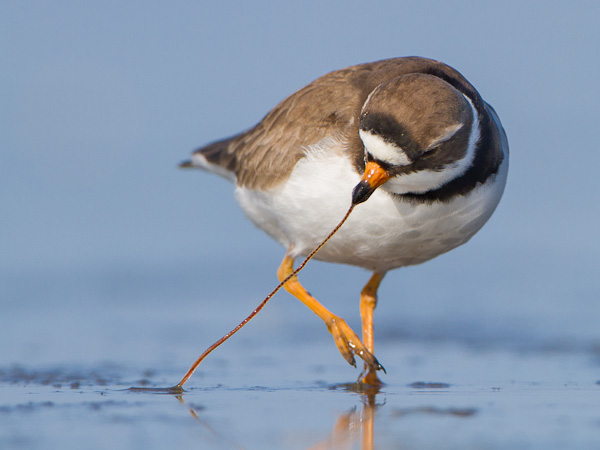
[361, 193]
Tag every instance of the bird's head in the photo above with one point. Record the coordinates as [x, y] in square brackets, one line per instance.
[419, 133]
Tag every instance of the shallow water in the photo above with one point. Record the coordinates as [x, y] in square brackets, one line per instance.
[463, 370]
[280, 382]
[439, 397]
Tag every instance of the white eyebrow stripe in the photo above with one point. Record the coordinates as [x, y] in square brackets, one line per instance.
[384, 151]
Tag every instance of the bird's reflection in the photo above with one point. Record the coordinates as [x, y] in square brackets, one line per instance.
[356, 425]
[352, 429]
[349, 428]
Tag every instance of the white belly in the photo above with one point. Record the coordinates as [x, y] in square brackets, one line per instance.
[381, 234]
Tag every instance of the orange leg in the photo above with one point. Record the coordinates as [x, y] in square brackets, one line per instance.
[345, 339]
[368, 301]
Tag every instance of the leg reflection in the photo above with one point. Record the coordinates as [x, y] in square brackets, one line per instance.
[357, 425]
[220, 438]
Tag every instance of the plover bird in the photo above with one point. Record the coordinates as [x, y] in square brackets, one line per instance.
[410, 138]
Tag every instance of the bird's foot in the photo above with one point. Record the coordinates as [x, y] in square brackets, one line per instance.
[369, 377]
[349, 345]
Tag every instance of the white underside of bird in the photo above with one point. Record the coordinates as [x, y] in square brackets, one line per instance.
[384, 233]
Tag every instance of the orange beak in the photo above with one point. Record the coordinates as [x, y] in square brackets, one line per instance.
[374, 177]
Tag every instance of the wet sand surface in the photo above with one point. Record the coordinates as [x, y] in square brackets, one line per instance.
[478, 365]
[266, 397]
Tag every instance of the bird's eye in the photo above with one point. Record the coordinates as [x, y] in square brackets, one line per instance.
[430, 152]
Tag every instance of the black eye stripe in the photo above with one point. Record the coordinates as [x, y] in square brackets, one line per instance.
[384, 165]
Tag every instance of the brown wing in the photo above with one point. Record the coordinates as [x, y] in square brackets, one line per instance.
[265, 155]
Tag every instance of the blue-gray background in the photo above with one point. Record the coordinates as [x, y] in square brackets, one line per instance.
[108, 252]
